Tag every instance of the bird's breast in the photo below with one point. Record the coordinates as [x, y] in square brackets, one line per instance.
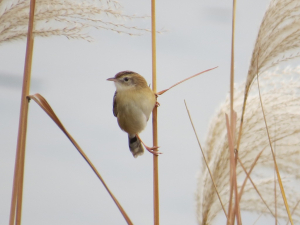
[134, 109]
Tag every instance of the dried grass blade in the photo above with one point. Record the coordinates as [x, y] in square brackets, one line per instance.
[41, 101]
[248, 174]
[206, 163]
[293, 211]
[257, 219]
[253, 184]
[274, 158]
[232, 66]
[241, 123]
[163, 91]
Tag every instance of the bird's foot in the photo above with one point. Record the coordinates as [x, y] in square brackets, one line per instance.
[156, 103]
[152, 150]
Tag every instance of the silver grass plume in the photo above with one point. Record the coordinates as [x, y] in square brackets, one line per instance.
[69, 18]
[277, 42]
[281, 99]
[278, 37]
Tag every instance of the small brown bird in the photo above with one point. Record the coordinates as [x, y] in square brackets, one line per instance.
[133, 103]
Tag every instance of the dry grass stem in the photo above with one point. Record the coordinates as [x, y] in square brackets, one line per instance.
[231, 128]
[232, 68]
[206, 163]
[154, 117]
[256, 189]
[248, 173]
[233, 177]
[47, 108]
[17, 190]
[293, 211]
[257, 219]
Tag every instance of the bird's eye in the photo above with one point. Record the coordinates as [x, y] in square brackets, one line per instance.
[126, 79]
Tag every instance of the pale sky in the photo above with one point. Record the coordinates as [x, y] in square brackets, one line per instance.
[59, 187]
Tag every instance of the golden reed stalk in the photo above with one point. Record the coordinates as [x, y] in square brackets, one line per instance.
[17, 193]
[154, 119]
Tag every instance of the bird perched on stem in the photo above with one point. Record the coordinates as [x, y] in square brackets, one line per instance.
[132, 105]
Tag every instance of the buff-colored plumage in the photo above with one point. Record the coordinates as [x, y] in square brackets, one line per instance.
[132, 105]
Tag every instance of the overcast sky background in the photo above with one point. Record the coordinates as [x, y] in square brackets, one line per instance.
[59, 187]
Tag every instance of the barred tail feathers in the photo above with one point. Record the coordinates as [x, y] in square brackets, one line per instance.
[135, 145]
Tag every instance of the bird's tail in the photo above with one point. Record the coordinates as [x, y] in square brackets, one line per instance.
[135, 145]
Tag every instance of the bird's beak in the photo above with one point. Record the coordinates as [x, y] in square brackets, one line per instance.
[112, 79]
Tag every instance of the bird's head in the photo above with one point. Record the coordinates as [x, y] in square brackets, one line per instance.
[127, 80]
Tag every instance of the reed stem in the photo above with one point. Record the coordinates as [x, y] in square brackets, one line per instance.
[154, 119]
[233, 180]
[17, 192]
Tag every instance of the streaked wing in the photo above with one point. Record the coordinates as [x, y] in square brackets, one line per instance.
[115, 111]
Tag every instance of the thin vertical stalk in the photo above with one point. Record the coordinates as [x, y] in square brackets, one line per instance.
[232, 66]
[275, 184]
[17, 192]
[154, 119]
[229, 219]
[232, 167]
[233, 180]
